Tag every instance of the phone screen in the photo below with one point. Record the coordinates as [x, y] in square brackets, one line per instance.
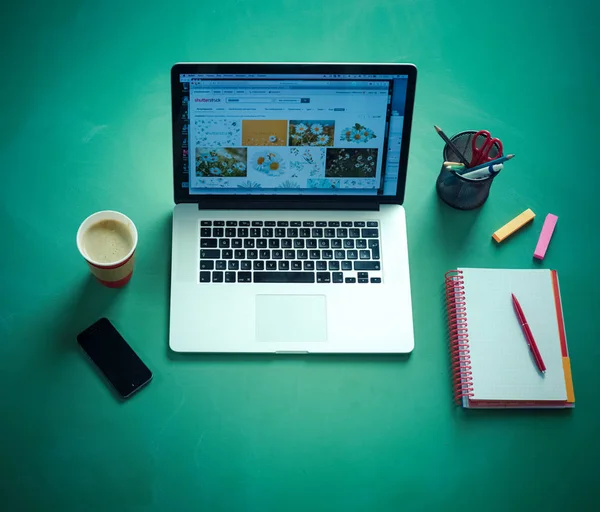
[114, 357]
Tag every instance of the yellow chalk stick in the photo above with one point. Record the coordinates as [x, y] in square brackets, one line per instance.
[517, 223]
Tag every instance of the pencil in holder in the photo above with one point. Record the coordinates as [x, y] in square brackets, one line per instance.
[453, 189]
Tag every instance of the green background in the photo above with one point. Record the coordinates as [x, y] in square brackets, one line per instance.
[85, 126]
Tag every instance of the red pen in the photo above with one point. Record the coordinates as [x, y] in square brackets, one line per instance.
[529, 335]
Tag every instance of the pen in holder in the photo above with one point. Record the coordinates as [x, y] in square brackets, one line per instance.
[453, 189]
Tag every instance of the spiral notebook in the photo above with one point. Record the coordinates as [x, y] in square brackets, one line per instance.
[491, 362]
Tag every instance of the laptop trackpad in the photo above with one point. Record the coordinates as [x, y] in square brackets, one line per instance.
[291, 318]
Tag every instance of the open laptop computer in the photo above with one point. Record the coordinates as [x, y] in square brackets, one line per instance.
[289, 234]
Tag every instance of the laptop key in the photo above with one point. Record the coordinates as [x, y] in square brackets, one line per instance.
[290, 254]
[334, 224]
[208, 242]
[361, 244]
[346, 224]
[233, 265]
[230, 277]
[282, 223]
[376, 279]
[309, 265]
[296, 265]
[295, 223]
[259, 265]
[217, 232]
[336, 244]
[273, 243]
[359, 224]
[283, 265]
[279, 232]
[323, 243]
[205, 232]
[308, 223]
[311, 243]
[346, 265]
[230, 232]
[299, 243]
[206, 223]
[252, 254]
[271, 265]
[342, 232]
[340, 254]
[321, 224]
[224, 243]
[372, 224]
[286, 243]
[242, 232]
[267, 232]
[363, 280]
[351, 279]
[329, 232]
[217, 277]
[317, 233]
[257, 222]
[245, 265]
[284, 277]
[265, 254]
[227, 254]
[323, 277]
[277, 254]
[369, 233]
[304, 232]
[321, 265]
[205, 277]
[327, 254]
[244, 277]
[261, 243]
[302, 254]
[249, 243]
[236, 243]
[315, 254]
[218, 223]
[207, 264]
[292, 232]
[363, 275]
[334, 265]
[349, 243]
[221, 265]
[270, 223]
[338, 277]
[210, 254]
[352, 254]
[255, 232]
[374, 246]
[244, 223]
[367, 265]
[354, 233]
[364, 254]
[231, 223]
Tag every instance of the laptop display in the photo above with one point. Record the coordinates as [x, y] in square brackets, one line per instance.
[290, 134]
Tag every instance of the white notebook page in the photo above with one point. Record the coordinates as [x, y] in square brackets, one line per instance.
[502, 364]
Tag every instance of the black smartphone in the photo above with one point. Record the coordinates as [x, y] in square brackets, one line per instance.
[114, 357]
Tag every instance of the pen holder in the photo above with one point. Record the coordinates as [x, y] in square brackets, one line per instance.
[453, 189]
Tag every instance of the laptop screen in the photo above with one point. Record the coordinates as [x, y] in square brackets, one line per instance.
[291, 134]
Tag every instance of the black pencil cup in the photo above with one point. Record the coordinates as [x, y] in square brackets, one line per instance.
[453, 189]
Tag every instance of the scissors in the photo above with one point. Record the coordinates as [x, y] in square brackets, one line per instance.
[481, 154]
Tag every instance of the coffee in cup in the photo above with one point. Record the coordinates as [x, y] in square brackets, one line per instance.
[107, 240]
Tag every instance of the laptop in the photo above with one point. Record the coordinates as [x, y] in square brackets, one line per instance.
[289, 234]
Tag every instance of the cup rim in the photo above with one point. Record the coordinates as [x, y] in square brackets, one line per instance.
[112, 264]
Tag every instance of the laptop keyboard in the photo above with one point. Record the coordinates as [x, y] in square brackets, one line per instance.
[289, 252]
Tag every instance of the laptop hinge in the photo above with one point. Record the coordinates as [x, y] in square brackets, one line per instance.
[287, 204]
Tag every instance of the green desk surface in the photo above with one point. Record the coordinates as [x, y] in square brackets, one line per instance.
[85, 126]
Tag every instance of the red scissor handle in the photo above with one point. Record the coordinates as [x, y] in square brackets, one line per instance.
[481, 154]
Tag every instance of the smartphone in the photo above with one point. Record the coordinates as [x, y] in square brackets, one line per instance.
[114, 357]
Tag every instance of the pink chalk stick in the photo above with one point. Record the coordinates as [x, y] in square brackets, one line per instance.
[545, 236]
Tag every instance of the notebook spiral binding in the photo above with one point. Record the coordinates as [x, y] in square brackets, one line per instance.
[462, 376]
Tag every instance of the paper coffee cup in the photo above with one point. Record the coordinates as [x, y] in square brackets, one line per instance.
[113, 274]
